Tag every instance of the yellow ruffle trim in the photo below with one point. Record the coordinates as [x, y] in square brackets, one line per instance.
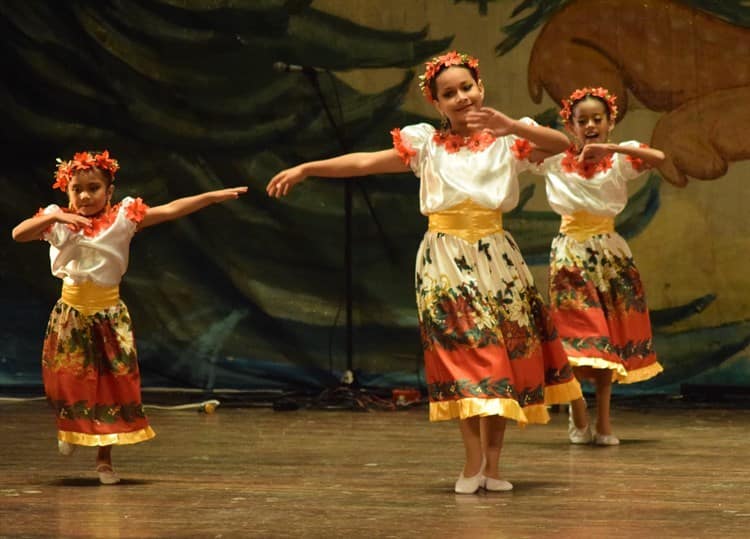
[120, 438]
[562, 393]
[618, 369]
[472, 406]
[536, 414]
[619, 373]
[644, 373]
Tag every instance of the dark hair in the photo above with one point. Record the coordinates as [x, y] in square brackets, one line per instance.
[589, 96]
[433, 80]
[105, 174]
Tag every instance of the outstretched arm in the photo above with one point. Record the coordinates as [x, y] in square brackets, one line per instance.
[593, 152]
[33, 228]
[545, 139]
[344, 166]
[185, 206]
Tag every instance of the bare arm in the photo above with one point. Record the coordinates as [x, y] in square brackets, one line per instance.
[33, 228]
[651, 156]
[343, 166]
[538, 155]
[187, 205]
[545, 139]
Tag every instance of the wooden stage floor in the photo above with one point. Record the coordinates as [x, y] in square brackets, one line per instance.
[253, 472]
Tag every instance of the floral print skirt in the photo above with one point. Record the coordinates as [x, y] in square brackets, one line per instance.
[91, 377]
[599, 307]
[490, 347]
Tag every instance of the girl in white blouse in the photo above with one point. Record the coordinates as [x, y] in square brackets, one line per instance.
[490, 349]
[89, 363]
[596, 295]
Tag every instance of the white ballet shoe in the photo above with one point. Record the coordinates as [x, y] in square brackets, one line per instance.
[107, 475]
[497, 485]
[65, 448]
[578, 436]
[469, 485]
[606, 439]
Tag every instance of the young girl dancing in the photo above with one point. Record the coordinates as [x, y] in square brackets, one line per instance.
[596, 296]
[89, 365]
[490, 348]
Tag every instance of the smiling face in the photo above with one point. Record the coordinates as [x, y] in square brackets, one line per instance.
[590, 121]
[89, 192]
[457, 93]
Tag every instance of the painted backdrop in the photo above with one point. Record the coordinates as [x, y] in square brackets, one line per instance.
[250, 294]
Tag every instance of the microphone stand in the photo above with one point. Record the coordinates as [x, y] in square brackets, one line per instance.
[312, 76]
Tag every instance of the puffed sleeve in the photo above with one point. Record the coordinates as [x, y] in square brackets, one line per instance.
[411, 142]
[58, 233]
[134, 209]
[629, 167]
[521, 149]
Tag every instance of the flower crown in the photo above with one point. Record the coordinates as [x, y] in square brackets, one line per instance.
[580, 94]
[82, 161]
[452, 58]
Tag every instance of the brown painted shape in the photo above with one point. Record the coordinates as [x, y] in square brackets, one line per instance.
[669, 56]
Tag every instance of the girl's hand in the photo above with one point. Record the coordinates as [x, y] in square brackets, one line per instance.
[490, 119]
[229, 194]
[282, 183]
[595, 152]
[74, 221]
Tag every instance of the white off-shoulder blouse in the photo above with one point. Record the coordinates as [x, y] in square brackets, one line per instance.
[487, 175]
[600, 189]
[99, 254]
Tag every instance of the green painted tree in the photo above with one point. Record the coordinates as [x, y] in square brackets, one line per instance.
[185, 96]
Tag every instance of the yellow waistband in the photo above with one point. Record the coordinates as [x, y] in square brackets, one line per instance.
[89, 298]
[467, 220]
[582, 225]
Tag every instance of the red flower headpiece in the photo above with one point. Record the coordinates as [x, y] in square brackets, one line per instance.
[452, 58]
[82, 161]
[582, 93]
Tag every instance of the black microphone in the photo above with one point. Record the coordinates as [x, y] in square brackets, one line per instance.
[283, 67]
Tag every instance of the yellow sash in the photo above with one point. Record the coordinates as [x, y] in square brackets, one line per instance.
[89, 298]
[467, 220]
[582, 225]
